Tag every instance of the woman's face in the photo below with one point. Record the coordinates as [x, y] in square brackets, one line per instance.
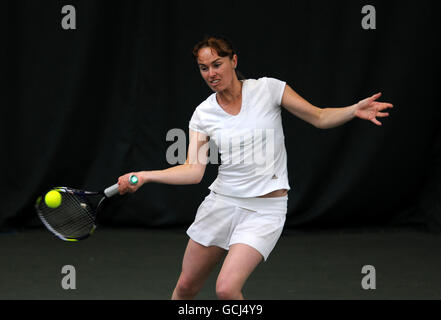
[218, 72]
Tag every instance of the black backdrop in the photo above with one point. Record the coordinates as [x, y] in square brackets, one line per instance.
[81, 107]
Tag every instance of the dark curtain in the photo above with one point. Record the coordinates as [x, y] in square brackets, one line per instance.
[82, 107]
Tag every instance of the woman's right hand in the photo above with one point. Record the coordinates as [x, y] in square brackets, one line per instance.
[124, 186]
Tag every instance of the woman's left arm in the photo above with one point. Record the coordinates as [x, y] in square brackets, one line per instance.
[326, 118]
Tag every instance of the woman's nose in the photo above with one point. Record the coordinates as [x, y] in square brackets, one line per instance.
[211, 72]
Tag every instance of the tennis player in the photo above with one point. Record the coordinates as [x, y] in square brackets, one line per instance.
[242, 217]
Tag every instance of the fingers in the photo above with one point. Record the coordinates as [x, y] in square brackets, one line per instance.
[121, 186]
[124, 186]
[374, 120]
[382, 105]
[371, 100]
[373, 108]
[376, 96]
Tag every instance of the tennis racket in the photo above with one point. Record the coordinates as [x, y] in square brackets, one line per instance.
[75, 218]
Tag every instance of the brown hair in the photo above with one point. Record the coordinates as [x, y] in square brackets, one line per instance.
[222, 46]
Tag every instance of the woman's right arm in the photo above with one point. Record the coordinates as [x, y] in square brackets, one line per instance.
[191, 172]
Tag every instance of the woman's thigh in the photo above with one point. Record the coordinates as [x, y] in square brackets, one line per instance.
[237, 267]
[199, 261]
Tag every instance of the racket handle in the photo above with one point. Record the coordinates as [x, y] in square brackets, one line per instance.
[133, 179]
[111, 191]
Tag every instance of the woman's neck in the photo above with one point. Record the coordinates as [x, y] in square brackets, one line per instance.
[230, 94]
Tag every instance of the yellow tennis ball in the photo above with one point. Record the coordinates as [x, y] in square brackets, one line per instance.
[52, 199]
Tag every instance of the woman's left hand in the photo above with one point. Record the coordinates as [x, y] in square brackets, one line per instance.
[369, 109]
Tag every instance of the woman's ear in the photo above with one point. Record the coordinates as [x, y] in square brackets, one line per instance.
[234, 61]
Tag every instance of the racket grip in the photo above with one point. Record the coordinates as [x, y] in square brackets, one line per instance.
[111, 191]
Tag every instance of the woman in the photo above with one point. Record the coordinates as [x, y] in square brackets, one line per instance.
[244, 214]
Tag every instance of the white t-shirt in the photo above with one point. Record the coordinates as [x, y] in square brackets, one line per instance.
[251, 144]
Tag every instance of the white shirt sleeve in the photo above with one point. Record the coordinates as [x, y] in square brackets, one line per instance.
[195, 123]
[276, 88]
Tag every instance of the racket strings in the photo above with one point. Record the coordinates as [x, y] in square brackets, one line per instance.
[74, 218]
[72, 228]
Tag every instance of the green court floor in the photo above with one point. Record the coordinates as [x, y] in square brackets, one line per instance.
[145, 264]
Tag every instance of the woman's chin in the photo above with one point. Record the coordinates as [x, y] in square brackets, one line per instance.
[217, 88]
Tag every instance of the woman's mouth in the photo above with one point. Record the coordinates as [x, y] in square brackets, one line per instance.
[214, 82]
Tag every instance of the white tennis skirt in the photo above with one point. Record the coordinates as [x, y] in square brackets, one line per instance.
[224, 220]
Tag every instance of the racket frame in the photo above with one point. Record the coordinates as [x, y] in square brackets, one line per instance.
[106, 194]
[75, 192]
